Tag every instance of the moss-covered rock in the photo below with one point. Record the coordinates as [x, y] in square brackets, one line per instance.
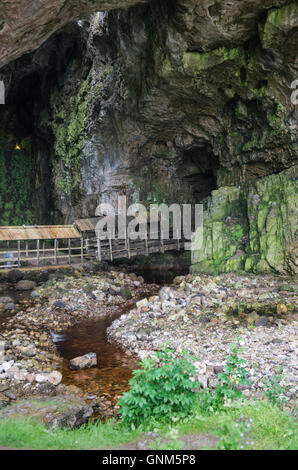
[272, 215]
[251, 229]
[223, 234]
[278, 23]
[58, 411]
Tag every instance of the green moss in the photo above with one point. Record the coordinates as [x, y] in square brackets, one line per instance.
[255, 142]
[196, 62]
[277, 120]
[165, 68]
[278, 21]
[16, 177]
[235, 234]
[260, 93]
[241, 110]
[69, 127]
[284, 15]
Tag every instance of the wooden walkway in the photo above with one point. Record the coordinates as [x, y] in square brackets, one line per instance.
[109, 250]
[38, 253]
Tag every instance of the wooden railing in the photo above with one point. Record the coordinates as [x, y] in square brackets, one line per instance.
[39, 252]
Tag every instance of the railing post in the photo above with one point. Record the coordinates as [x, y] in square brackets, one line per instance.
[19, 254]
[69, 251]
[55, 251]
[178, 243]
[98, 249]
[128, 244]
[82, 250]
[37, 252]
[110, 243]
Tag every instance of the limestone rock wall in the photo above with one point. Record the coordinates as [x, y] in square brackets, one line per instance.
[26, 24]
[254, 229]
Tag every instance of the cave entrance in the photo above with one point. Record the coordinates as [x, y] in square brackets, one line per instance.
[198, 170]
[25, 192]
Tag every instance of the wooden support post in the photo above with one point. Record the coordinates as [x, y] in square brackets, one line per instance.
[19, 254]
[82, 250]
[178, 243]
[128, 244]
[146, 246]
[55, 251]
[37, 252]
[87, 245]
[27, 254]
[69, 251]
[98, 249]
[161, 242]
[110, 244]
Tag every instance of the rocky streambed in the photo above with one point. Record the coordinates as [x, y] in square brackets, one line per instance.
[205, 314]
[65, 317]
[120, 318]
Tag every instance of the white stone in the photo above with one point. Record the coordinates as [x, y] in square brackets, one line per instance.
[5, 366]
[54, 377]
[40, 378]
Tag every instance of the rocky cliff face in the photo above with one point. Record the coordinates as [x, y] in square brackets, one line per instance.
[26, 24]
[174, 101]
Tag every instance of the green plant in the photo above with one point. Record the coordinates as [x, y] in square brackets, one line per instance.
[269, 428]
[232, 435]
[162, 387]
[273, 390]
[172, 442]
[227, 390]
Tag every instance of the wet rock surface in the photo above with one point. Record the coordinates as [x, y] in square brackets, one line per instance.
[57, 412]
[25, 285]
[205, 314]
[26, 25]
[83, 362]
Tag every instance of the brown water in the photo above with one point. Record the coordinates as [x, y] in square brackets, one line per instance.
[114, 367]
[106, 382]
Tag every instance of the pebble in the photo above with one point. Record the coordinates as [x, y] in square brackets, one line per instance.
[205, 315]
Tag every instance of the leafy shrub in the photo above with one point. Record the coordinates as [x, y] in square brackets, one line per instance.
[273, 390]
[161, 388]
[232, 436]
[227, 390]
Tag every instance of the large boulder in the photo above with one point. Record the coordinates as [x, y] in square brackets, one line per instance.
[14, 275]
[25, 285]
[83, 362]
[61, 411]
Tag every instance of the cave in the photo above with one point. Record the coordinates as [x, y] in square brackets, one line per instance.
[27, 142]
[25, 157]
[199, 171]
